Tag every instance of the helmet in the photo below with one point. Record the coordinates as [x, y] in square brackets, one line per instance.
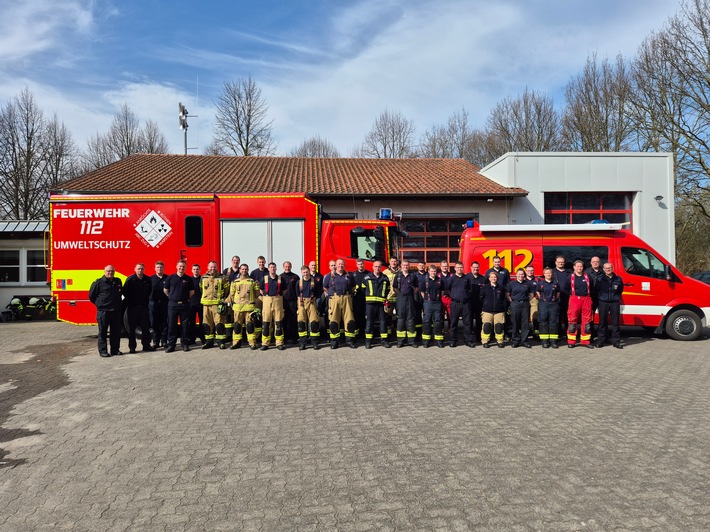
[34, 300]
[222, 308]
[16, 301]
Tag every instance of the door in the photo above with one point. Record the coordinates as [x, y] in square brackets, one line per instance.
[276, 240]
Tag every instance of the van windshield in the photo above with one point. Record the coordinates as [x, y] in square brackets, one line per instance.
[639, 261]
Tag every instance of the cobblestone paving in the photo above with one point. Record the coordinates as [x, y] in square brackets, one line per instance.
[398, 439]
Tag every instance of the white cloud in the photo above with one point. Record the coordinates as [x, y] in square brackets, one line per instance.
[33, 26]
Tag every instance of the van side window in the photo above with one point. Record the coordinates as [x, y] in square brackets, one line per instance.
[193, 231]
[573, 253]
[639, 261]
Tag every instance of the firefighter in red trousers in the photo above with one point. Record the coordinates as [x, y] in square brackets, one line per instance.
[579, 312]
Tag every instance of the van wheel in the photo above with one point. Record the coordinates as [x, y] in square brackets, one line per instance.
[683, 325]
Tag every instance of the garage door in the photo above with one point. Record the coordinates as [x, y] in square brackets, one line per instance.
[277, 240]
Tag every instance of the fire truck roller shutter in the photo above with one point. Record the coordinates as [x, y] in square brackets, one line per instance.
[277, 240]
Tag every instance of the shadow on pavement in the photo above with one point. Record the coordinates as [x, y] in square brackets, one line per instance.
[38, 374]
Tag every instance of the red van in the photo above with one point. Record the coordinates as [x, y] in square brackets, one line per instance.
[656, 295]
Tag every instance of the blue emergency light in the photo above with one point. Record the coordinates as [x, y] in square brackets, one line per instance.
[385, 214]
[469, 224]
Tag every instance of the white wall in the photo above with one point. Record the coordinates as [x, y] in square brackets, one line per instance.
[645, 175]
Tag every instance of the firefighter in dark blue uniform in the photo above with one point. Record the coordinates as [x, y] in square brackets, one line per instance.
[179, 288]
[405, 286]
[105, 293]
[519, 292]
[459, 288]
[376, 286]
[137, 292]
[419, 276]
[431, 291]
[609, 289]
[359, 297]
[158, 307]
[548, 293]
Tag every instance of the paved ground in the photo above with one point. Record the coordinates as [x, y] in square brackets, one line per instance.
[399, 439]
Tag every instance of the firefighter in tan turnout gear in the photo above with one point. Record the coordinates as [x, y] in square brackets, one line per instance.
[243, 294]
[215, 288]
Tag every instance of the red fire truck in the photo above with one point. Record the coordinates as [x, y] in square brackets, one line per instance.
[656, 295]
[89, 231]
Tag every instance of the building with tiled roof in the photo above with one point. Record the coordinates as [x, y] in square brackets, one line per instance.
[434, 196]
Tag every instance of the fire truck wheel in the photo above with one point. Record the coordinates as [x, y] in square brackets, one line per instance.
[683, 325]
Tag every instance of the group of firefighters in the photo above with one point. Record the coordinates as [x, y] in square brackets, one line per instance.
[410, 306]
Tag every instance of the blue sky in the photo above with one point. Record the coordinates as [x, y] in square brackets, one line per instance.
[326, 68]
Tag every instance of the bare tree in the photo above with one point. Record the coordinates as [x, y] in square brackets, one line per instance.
[315, 147]
[34, 155]
[671, 101]
[391, 137]
[527, 123]
[241, 124]
[152, 139]
[597, 117]
[213, 148]
[455, 139]
[124, 138]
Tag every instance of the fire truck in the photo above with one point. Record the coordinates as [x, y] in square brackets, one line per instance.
[89, 231]
[656, 295]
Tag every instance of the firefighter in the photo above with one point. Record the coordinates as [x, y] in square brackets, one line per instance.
[420, 275]
[376, 287]
[609, 289]
[519, 292]
[503, 273]
[260, 271]
[405, 286]
[595, 273]
[579, 311]
[548, 292]
[445, 273]
[476, 281]
[179, 289]
[196, 331]
[532, 279]
[273, 309]
[136, 293]
[214, 288]
[308, 309]
[158, 307]
[290, 295]
[105, 292]
[339, 287]
[493, 310]
[243, 293]
[391, 302]
[561, 274]
[323, 307]
[359, 297]
[431, 291]
[459, 290]
[232, 274]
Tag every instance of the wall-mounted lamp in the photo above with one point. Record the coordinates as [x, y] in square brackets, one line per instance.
[367, 200]
[490, 200]
[659, 198]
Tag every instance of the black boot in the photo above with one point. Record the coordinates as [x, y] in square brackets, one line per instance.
[368, 344]
[334, 344]
[237, 345]
[302, 344]
[351, 343]
[208, 344]
[400, 343]
[385, 344]
[440, 343]
[314, 343]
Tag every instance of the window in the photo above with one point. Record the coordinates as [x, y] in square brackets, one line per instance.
[22, 266]
[573, 253]
[583, 207]
[638, 261]
[433, 240]
[193, 231]
[9, 265]
[367, 244]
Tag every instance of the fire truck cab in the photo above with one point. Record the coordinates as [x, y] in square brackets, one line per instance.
[89, 231]
[656, 295]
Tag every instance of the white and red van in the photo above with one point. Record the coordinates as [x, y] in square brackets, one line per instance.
[656, 295]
